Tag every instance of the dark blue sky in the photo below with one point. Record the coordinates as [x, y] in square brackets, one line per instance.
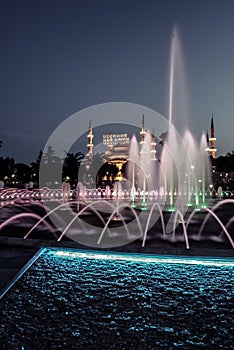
[58, 57]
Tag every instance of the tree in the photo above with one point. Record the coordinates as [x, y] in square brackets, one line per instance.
[35, 167]
[49, 157]
[89, 170]
[71, 167]
[22, 173]
[50, 166]
[225, 163]
[7, 169]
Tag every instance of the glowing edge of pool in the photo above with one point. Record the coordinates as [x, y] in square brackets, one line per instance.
[143, 258]
[132, 257]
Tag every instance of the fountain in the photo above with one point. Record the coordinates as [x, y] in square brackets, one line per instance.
[66, 189]
[167, 201]
[133, 160]
[112, 221]
[165, 204]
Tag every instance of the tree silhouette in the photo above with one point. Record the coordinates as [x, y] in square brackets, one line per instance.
[50, 166]
[71, 167]
[35, 167]
[22, 173]
[225, 163]
[89, 169]
[7, 169]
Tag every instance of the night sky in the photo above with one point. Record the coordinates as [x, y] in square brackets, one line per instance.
[58, 57]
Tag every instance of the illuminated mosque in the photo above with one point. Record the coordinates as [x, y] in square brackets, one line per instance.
[117, 153]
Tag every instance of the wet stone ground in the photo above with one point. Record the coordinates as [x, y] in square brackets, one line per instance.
[64, 303]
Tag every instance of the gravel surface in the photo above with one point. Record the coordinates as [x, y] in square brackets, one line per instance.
[73, 303]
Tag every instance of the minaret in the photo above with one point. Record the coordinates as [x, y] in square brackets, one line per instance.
[212, 139]
[153, 147]
[143, 132]
[90, 138]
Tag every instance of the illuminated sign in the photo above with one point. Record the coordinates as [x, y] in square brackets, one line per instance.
[115, 139]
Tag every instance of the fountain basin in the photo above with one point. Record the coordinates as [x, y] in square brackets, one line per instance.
[69, 298]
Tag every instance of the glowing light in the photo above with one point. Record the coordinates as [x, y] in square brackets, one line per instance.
[143, 206]
[143, 258]
[171, 209]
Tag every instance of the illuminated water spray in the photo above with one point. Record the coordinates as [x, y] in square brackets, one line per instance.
[132, 170]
